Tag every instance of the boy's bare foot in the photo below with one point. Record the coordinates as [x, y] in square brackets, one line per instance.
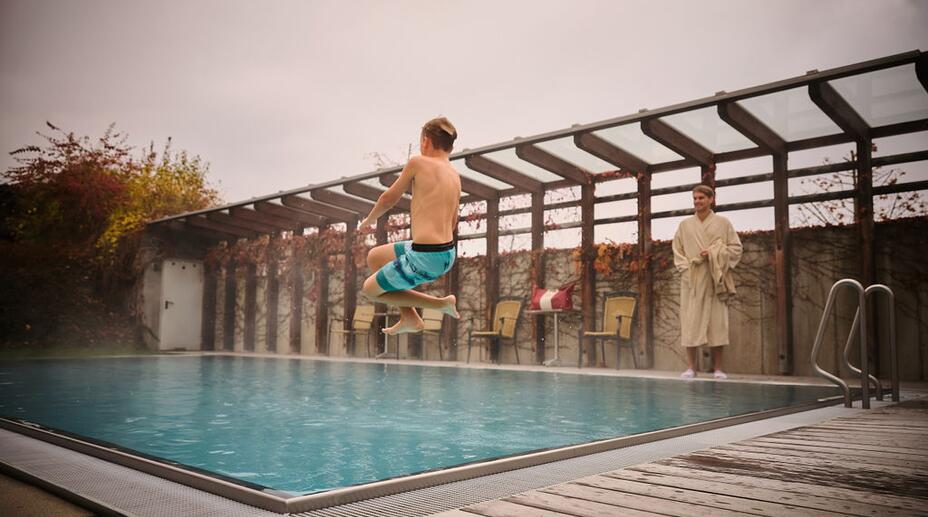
[450, 308]
[405, 326]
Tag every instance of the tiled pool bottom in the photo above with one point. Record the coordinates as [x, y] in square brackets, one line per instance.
[304, 426]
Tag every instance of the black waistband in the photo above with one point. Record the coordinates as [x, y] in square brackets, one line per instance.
[433, 247]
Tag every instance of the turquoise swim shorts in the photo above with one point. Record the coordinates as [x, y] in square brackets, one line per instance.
[415, 264]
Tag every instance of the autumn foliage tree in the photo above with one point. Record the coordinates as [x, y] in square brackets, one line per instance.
[74, 209]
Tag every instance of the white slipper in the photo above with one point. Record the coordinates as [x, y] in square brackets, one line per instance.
[720, 375]
[688, 374]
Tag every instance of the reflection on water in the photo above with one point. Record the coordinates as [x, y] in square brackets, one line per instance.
[305, 426]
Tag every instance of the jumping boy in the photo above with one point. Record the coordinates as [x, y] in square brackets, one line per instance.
[401, 266]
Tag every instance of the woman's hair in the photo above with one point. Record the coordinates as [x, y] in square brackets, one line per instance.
[704, 189]
[441, 133]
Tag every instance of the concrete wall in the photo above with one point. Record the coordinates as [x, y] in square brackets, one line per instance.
[820, 256]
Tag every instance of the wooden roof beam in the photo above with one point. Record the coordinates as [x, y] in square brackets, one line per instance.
[334, 198]
[549, 162]
[921, 70]
[297, 216]
[211, 235]
[608, 152]
[201, 222]
[478, 189]
[321, 209]
[281, 223]
[678, 142]
[502, 173]
[244, 224]
[839, 110]
[750, 126]
[356, 188]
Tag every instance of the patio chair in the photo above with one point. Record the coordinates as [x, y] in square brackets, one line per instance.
[619, 311]
[361, 324]
[433, 327]
[506, 318]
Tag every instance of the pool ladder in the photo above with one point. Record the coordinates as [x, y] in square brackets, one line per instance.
[860, 326]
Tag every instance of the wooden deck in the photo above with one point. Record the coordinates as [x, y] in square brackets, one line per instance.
[874, 463]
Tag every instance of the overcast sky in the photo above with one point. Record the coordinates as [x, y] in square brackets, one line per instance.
[281, 94]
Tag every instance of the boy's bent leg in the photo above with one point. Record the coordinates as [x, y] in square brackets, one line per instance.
[410, 322]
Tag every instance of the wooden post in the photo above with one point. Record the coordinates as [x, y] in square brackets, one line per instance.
[228, 314]
[538, 267]
[453, 287]
[645, 276]
[210, 280]
[251, 292]
[782, 263]
[380, 235]
[707, 176]
[296, 300]
[351, 282]
[587, 273]
[272, 299]
[492, 271]
[865, 224]
[322, 301]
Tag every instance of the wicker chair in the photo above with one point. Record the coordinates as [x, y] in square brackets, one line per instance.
[619, 311]
[433, 327]
[506, 318]
[361, 324]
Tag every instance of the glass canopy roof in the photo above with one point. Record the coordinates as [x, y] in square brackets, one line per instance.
[885, 96]
[630, 138]
[565, 149]
[709, 130]
[791, 114]
[508, 158]
[467, 172]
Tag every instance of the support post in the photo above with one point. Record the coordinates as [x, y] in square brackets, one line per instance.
[322, 300]
[351, 282]
[380, 235]
[492, 271]
[228, 309]
[782, 258]
[453, 287]
[587, 272]
[707, 176]
[645, 274]
[210, 281]
[272, 299]
[538, 268]
[296, 300]
[863, 214]
[251, 292]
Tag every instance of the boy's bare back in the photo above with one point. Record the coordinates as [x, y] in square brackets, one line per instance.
[436, 193]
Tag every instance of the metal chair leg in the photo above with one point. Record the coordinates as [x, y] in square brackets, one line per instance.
[631, 348]
[580, 348]
[468, 346]
[515, 346]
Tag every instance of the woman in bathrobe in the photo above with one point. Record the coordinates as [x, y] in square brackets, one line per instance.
[705, 249]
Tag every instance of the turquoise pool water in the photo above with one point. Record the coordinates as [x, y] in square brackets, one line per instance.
[304, 426]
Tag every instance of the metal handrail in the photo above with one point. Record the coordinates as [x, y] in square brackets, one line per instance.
[865, 370]
[893, 357]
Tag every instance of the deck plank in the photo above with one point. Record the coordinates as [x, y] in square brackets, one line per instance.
[851, 448]
[622, 500]
[898, 502]
[502, 508]
[555, 502]
[870, 464]
[827, 455]
[807, 503]
[695, 497]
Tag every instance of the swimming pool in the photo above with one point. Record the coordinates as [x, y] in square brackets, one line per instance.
[305, 426]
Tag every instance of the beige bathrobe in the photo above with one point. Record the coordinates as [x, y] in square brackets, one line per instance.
[706, 284]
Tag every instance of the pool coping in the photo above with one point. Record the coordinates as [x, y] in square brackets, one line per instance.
[281, 502]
